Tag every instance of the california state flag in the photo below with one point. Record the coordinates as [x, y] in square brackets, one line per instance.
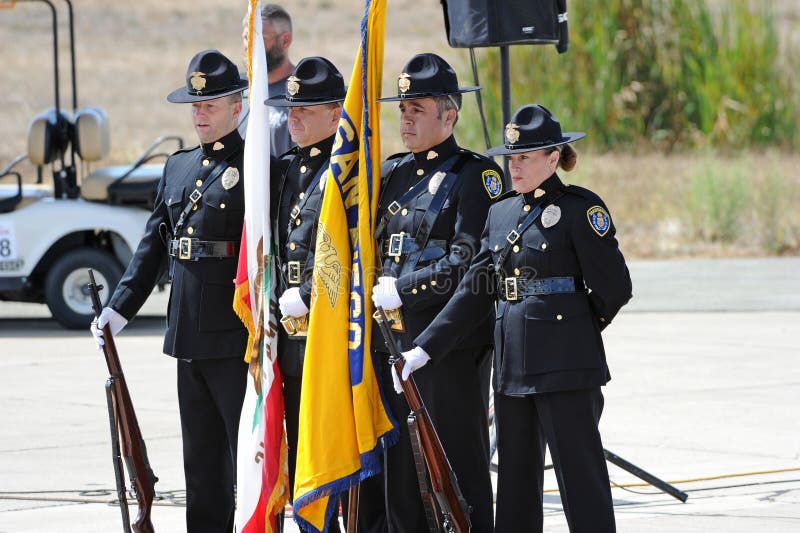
[261, 472]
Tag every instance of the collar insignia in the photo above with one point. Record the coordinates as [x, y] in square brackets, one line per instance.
[218, 146]
[198, 80]
[314, 152]
[432, 155]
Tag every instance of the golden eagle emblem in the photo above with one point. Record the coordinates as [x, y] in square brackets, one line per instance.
[293, 85]
[198, 80]
[512, 133]
[327, 268]
[404, 82]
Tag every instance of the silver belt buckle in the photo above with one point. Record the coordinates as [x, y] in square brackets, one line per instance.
[395, 244]
[393, 208]
[185, 248]
[293, 272]
[512, 292]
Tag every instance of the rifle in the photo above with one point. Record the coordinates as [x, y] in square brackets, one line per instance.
[125, 427]
[451, 503]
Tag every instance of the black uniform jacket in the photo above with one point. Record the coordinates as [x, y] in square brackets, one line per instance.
[543, 342]
[201, 323]
[454, 239]
[297, 236]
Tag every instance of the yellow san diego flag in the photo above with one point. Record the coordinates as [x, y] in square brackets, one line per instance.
[344, 424]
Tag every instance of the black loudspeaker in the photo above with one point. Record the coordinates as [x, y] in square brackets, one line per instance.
[475, 23]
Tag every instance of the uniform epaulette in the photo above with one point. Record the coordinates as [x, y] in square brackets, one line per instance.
[389, 164]
[581, 191]
[291, 151]
[508, 194]
[186, 150]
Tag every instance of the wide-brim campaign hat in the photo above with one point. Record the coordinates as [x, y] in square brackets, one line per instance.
[210, 75]
[425, 76]
[533, 127]
[315, 81]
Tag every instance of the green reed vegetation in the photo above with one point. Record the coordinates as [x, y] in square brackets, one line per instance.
[657, 74]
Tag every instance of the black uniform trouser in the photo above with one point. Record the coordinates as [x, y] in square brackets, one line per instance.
[291, 405]
[567, 423]
[452, 392]
[210, 396]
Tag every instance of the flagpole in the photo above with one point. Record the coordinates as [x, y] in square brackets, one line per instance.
[352, 508]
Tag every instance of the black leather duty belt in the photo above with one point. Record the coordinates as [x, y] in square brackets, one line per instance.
[188, 249]
[293, 271]
[400, 244]
[516, 288]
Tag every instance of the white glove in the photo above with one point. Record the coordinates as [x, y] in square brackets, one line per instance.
[114, 320]
[385, 294]
[291, 303]
[414, 359]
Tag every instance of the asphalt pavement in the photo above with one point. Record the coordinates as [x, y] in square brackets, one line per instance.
[704, 395]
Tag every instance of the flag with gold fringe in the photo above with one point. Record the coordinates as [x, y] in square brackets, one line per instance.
[261, 472]
[344, 425]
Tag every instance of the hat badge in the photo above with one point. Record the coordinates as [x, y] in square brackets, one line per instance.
[293, 85]
[512, 133]
[404, 82]
[198, 80]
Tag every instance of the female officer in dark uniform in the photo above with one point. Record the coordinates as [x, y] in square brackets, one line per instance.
[551, 264]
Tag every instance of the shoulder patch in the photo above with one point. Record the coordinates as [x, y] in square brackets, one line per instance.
[599, 220]
[492, 183]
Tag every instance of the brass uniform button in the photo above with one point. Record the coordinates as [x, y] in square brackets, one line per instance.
[198, 183]
[544, 246]
[222, 206]
[413, 291]
[292, 246]
[424, 287]
[302, 195]
[559, 317]
[420, 172]
[602, 319]
[297, 222]
[516, 248]
[404, 212]
[433, 283]
[526, 208]
[496, 247]
[396, 259]
[194, 207]
[516, 272]
[303, 169]
[206, 162]
[190, 230]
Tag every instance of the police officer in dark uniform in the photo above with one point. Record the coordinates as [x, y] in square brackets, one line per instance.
[550, 262]
[314, 95]
[197, 225]
[433, 205]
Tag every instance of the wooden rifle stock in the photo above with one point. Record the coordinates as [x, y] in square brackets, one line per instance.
[444, 484]
[125, 429]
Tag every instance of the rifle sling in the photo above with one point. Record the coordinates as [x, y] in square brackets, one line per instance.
[422, 475]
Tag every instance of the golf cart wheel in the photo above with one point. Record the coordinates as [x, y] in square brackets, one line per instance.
[66, 290]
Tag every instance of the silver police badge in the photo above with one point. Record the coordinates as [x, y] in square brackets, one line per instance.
[436, 180]
[551, 215]
[230, 177]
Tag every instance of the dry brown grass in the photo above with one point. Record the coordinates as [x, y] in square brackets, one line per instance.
[131, 55]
